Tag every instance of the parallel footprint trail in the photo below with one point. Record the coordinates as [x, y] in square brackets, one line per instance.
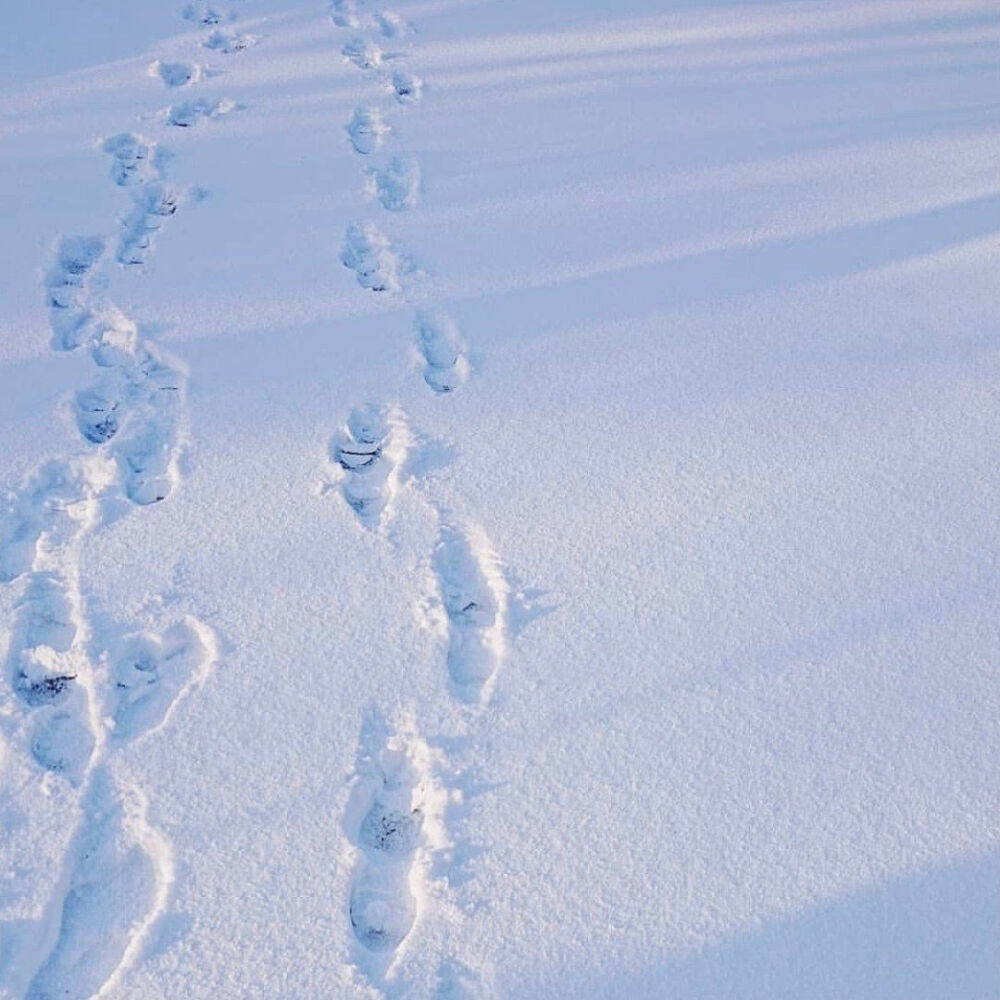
[392, 818]
[81, 702]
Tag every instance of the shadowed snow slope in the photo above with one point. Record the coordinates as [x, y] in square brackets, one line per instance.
[630, 491]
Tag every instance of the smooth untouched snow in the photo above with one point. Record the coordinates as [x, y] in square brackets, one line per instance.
[500, 500]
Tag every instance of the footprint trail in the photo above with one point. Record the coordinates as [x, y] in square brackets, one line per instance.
[81, 695]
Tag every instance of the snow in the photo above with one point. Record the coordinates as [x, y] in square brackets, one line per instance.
[500, 500]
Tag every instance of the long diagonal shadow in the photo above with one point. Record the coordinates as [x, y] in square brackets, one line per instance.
[927, 936]
[930, 936]
[760, 267]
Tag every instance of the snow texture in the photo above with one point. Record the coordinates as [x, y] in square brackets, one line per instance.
[509, 513]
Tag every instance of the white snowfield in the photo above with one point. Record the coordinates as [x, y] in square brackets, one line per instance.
[500, 500]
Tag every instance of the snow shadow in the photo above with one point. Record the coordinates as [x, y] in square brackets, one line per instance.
[929, 936]
[672, 282]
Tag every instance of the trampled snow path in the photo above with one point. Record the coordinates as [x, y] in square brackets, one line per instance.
[84, 694]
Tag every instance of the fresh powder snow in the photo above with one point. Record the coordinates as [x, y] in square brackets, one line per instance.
[500, 500]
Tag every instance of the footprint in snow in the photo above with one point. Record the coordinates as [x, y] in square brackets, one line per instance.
[44, 663]
[345, 13]
[366, 54]
[407, 87]
[369, 450]
[135, 408]
[66, 293]
[115, 881]
[390, 24]
[149, 464]
[201, 13]
[134, 159]
[229, 42]
[139, 385]
[44, 632]
[175, 74]
[441, 347]
[152, 205]
[61, 742]
[377, 265]
[475, 597]
[397, 186]
[367, 130]
[98, 414]
[151, 673]
[57, 499]
[74, 259]
[387, 820]
[189, 113]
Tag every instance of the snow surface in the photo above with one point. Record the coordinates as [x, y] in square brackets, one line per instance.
[501, 500]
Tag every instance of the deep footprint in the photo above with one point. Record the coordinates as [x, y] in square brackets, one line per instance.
[44, 662]
[113, 886]
[388, 807]
[369, 456]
